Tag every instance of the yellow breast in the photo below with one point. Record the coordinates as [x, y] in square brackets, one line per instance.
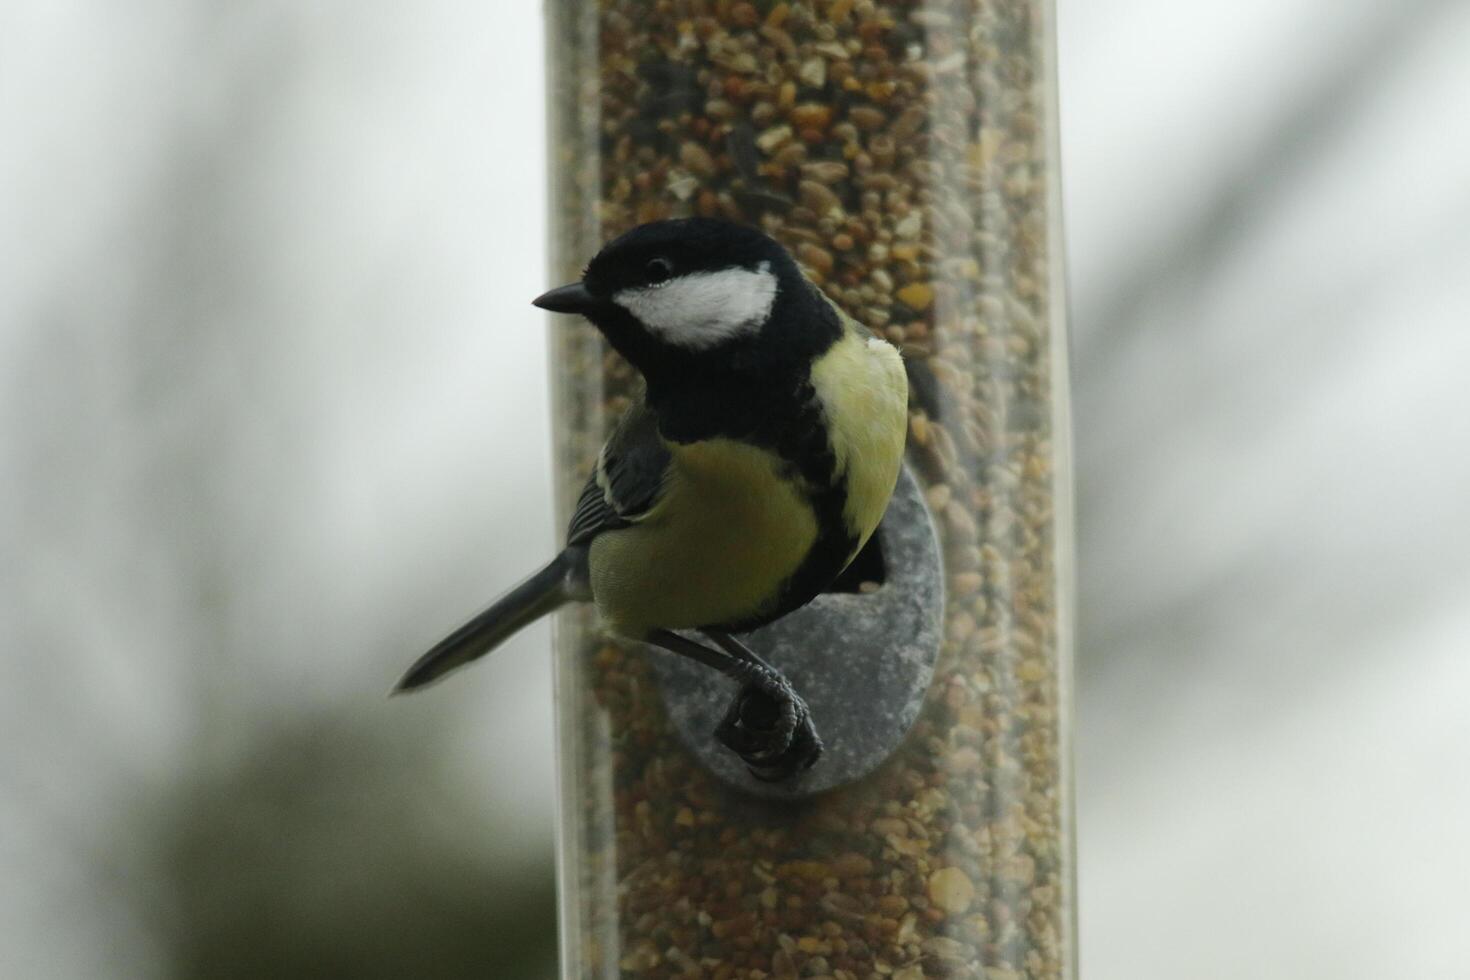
[726, 533]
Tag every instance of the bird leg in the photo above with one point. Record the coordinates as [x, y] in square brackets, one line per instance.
[767, 720]
[767, 724]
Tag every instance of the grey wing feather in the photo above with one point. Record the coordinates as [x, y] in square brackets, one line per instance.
[628, 480]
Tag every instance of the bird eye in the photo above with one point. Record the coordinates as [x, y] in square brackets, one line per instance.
[659, 269]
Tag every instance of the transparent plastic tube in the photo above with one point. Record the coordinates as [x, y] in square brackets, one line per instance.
[906, 153]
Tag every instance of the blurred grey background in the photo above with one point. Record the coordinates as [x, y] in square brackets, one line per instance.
[274, 414]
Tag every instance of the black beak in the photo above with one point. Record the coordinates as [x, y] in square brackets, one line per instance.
[566, 299]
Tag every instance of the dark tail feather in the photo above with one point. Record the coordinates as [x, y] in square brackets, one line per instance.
[537, 596]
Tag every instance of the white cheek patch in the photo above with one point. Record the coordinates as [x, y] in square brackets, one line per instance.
[704, 308]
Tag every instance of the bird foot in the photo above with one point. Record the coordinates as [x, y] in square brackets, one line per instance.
[770, 727]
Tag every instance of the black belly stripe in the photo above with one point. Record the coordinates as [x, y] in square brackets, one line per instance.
[801, 441]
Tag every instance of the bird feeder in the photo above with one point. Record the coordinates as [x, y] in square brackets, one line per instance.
[905, 153]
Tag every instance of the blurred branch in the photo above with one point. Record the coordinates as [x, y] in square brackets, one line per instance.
[1236, 203]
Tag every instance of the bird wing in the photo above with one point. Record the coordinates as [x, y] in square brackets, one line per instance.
[628, 480]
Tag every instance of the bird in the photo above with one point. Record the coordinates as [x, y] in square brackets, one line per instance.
[755, 461]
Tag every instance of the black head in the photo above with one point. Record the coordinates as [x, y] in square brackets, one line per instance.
[698, 295]
[657, 253]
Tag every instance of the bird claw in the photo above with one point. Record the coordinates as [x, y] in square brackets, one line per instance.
[770, 727]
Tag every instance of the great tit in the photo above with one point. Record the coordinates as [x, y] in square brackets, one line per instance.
[757, 461]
